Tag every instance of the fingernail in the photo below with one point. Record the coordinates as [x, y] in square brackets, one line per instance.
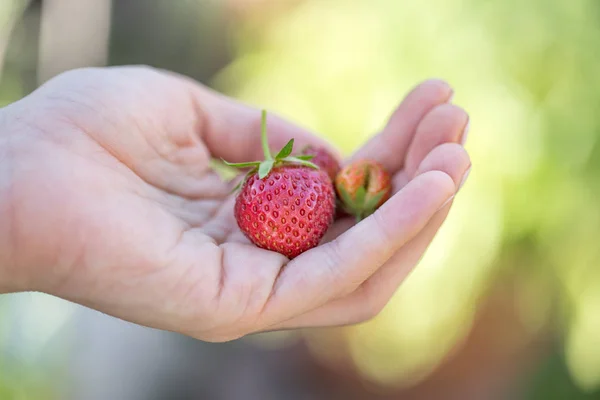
[446, 202]
[464, 178]
[465, 133]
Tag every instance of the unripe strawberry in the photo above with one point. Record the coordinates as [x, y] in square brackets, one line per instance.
[323, 159]
[363, 186]
[286, 203]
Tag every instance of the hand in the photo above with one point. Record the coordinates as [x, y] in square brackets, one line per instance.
[112, 203]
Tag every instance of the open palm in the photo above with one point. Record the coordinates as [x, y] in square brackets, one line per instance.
[117, 206]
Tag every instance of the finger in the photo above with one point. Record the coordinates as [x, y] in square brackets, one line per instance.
[390, 146]
[446, 123]
[443, 124]
[231, 130]
[340, 266]
[450, 158]
[371, 296]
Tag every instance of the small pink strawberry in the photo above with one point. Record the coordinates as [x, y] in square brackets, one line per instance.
[363, 186]
[286, 203]
[323, 159]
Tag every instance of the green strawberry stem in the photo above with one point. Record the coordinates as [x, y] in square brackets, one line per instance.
[283, 157]
[263, 135]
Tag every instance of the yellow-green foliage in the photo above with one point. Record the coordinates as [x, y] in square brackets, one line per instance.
[527, 72]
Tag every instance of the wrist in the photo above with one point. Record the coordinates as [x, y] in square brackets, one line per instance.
[12, 275]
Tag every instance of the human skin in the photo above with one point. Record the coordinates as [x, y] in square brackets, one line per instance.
[107, 199]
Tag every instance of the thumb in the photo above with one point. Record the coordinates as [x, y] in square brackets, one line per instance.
[340, 266]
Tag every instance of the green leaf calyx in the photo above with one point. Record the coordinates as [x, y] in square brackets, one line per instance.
[362, 204]
[283, 157]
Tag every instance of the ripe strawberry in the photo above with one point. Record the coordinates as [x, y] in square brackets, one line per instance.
[286, 203]
[363, 186]
[324, 160]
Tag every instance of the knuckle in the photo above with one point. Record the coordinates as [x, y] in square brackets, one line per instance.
[333, 256]
[367, 312]
[332, 260]
[382, 227]
[372, 302]
[372, 308]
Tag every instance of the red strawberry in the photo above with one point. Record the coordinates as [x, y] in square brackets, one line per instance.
[286, 203]
[323, 159]
[363, 186]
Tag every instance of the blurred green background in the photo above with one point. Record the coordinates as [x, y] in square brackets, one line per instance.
[506, 302]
